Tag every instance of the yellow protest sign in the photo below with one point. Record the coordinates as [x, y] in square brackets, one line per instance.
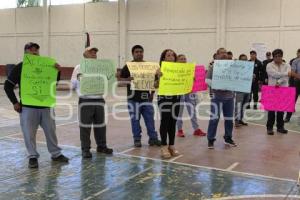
[143, 74]
[177, 78]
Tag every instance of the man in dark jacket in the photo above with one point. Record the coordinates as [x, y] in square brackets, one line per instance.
[31, 117]
[264, 75]
[256, 79]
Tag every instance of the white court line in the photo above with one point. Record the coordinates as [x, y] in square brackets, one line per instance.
[231, 167]
[265, 127]
[127, 150]
[173, 159]
[180, 163]
[211, 168]
[14, 134]
[68, 123]
[128, 179]
[42, 142]
[256, 196]
[39, 129]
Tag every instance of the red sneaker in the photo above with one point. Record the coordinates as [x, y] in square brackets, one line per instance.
[199, 132]
[180, 133]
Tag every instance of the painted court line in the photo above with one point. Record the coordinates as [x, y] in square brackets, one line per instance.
[212, 168]
[173, 159]
[231, 167]
[256, 196]
[10, 135]
[127, 150]
[68, 123]
[42, 142]
[179, 163]
[39, 129]
[121, 183]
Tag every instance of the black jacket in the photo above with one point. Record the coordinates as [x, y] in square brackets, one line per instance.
[258, 67]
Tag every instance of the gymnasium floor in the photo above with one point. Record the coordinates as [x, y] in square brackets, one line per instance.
[261, 167]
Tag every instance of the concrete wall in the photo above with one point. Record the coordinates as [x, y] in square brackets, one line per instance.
[193, 27]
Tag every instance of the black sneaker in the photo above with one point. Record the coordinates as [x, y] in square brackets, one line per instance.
[61, 158]
[230, 142]
[248, 107]
[286, 120]
[211, 144]
[137, 143]
[243, 123]
[33, 163]
[270, 132]
[104, 150]
[255, 107]
[87, 154]
[282, 130]
[155, 142]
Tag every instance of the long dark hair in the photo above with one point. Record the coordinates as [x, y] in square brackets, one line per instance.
[163, 55]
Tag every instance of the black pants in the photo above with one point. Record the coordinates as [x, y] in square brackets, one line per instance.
[92, 114]
[254, 93]
[169, 110]
[271, 120]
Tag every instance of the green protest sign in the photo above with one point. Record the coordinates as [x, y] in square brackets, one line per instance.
[97, 76]
[38, 81]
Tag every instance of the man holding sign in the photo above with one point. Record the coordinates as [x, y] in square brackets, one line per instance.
[140, 95]
[221, 99]
[91, 103]
[36, 77]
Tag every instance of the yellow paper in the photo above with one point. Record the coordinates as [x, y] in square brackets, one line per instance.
[177, 78]
[143, 74]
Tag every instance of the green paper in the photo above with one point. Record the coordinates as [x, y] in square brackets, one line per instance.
[97, 77]
[38, 81]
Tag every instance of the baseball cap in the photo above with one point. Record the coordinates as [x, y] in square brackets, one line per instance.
[29, 45]
[91, 48]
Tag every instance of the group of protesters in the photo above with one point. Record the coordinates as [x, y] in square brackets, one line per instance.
[273, 71]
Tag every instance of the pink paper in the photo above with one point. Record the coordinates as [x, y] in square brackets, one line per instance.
[199, 83]
[278, 98]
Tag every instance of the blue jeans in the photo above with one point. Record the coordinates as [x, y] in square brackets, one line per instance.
[216, 105]
[145, 109]
[190, 100]
[241, 99]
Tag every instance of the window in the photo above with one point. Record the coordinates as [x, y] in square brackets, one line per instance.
[64, 2]
[29, 3]
[8, 4]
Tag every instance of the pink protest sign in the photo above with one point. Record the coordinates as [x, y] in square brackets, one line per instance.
[199, 82]
[278, 98]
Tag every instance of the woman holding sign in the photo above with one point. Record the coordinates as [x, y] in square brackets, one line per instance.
[169, 110]
[191, 101]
